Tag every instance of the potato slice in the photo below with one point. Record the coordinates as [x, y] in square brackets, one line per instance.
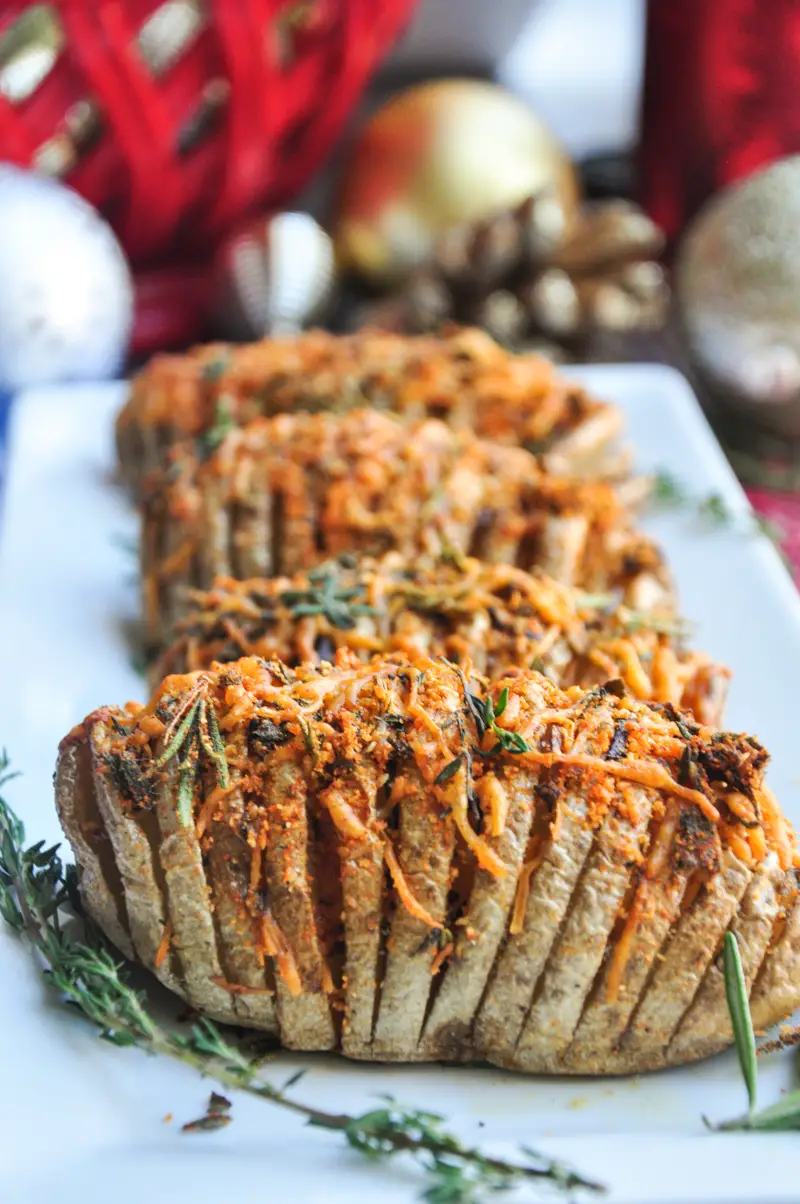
[481, 928]
[98, 875]
[424, 851]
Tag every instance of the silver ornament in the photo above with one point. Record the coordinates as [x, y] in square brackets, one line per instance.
[66, 299]
[274, 276]
[737, 282]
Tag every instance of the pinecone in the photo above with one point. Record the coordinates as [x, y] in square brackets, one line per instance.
[525, 277]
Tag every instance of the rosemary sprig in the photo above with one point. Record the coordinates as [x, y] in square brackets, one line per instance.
[325, 597]
[34, 891]
[739, 1009]
[781, 1116]
[192, 728]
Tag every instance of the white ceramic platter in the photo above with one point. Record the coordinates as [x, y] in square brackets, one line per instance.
[82, 1121]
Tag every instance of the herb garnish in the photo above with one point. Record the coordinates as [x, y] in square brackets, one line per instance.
[783, 1115]
[35, 890]
[217, 433]
[739, 1009]
[325, 597]
[215, 369]
[669, 493]
[192, 727]
[450, 770]
[511, 742]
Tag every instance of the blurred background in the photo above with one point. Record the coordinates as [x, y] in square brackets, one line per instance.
[596, 181]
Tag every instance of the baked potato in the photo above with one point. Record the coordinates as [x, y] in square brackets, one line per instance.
[463, 378]
[494, 616]
[285, 493]
[401, 863]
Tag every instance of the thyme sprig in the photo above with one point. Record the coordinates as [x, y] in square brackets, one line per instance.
[507, 741]
[711, 508]
[35, 890]
[326, 597]
[783, 1115]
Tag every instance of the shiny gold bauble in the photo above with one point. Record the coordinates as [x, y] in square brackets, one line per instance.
[435, 155]
[737, 281]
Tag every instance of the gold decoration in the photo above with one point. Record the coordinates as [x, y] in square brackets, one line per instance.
[435, 156]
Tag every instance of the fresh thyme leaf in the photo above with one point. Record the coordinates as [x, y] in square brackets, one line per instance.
[597, 601]
[217, 433]
[739, 1009]
[450, 770]
[502, 702]
[713, 507]
[215, 369]
[198, 729]
[325, 597]
[294, 1079]
[33, 892]
[673, 625]
[667, 490]
[511, 741]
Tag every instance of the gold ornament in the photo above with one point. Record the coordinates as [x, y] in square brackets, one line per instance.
[737, 281]
[435, 156]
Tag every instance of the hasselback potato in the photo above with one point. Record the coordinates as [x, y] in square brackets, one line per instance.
[402, 863]
[285, 493]
[494, 617]
[463, 378]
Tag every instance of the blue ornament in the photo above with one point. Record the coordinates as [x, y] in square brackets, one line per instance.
[66, 297]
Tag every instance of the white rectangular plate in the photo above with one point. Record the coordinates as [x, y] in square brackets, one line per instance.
[82, 1121]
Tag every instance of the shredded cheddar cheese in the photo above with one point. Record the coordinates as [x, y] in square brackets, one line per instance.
[163, 948]
[411, 904]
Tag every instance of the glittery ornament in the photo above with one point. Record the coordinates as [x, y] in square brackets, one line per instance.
[66, 300]
[738, 287]
[274, 276]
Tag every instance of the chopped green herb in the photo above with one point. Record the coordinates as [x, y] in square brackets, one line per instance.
[325, 597]
[450, 770]
[217, 433]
